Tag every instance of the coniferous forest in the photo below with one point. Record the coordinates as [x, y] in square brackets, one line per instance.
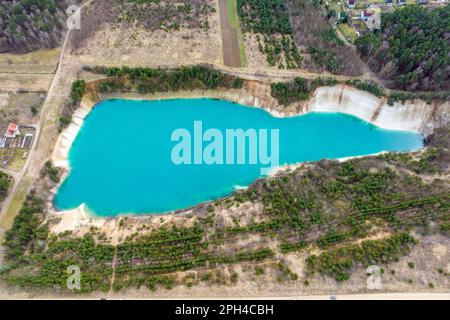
[412, 51]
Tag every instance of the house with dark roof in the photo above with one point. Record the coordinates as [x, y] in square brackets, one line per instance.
[351, 4]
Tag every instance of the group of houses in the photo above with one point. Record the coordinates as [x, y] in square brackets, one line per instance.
[389, 3]
[15, 136]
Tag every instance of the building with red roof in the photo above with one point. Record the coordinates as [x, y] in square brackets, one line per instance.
[12, 131]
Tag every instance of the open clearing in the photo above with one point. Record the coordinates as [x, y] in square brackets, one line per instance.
[25, 82]
[42, 61]
[20, 107]
[15, 158]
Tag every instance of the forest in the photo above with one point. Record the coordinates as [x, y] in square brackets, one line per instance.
[269, 19]
[328, 205]
[148, 80]
[322, 49]
[412, 51]
[299, 89]
[27, 25]
[264, 16]
[149, 15]
[77, 92]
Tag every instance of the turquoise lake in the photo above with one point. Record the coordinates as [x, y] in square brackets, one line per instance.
[121, 159]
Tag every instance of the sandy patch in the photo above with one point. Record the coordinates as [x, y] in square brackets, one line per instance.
[4, 100]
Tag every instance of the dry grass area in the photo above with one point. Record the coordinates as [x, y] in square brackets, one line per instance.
[20, 107]
[30, 72]
[25, 82]
[255, 58]
[41, 61]
[138, 47]
[116, 42]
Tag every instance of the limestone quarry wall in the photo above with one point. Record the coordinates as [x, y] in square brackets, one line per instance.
[414, 115]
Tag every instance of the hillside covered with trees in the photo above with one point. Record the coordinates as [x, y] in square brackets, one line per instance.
[269, 19]
[322, 49]
[27, 25]
[149, 15]
[412, 51]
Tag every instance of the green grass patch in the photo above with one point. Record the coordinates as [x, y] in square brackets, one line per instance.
[348, 31]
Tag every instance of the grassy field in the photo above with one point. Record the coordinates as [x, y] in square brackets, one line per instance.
[31, 71]
[234, 23]
[22, 81]
[20, 107]
[16, 158]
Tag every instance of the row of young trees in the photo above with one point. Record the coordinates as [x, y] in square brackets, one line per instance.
[298, 89]
[298, 209]
[148, 80]
[339, 261]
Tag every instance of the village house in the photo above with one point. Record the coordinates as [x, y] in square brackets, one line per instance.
[351, 4]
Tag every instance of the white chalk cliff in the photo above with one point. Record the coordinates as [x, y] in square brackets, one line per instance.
[417, 115]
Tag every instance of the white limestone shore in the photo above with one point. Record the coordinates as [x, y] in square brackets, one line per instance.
[416, 116]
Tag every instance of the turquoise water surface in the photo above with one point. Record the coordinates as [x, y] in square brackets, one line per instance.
[121, 158]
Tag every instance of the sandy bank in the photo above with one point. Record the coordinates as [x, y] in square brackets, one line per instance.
[65, 140]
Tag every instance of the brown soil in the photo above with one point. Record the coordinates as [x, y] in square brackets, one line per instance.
[231, 55]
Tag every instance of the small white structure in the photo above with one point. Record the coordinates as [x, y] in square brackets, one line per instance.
[12, 131]
[374, 22]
